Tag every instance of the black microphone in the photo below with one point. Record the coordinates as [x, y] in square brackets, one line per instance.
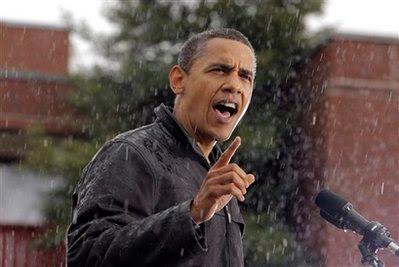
[340, 213]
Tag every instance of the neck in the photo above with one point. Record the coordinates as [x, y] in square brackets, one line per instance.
[205, 144]
[206, 148]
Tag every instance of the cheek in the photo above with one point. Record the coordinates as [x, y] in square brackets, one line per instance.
[247, 98]
[203, 98]
[198, 104]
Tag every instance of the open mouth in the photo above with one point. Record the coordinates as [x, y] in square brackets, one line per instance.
[226, 108]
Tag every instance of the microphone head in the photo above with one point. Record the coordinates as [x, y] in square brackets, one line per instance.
[340, 213]
[330, 202]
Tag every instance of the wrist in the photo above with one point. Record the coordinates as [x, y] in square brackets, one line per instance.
[194, 217]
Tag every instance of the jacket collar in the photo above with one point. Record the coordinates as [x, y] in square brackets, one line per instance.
[164, 114]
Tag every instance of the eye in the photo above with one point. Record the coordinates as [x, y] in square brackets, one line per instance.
[246, 76]
[220, 70]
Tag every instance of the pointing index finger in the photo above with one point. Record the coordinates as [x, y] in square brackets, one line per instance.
[226, 156]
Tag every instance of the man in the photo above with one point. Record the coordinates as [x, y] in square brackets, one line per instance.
[163, 194]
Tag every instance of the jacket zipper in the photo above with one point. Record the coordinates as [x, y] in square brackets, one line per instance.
[228, 221]
[228, 214]
[226, 208]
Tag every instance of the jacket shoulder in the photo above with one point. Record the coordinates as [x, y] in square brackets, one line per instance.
[143, 138]
[138, 141]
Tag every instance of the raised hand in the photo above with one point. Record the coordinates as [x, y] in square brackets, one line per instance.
[223, 181]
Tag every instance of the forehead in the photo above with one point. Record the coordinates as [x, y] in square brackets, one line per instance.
[231, 52]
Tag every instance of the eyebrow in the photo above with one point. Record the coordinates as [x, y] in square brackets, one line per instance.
[229, 67]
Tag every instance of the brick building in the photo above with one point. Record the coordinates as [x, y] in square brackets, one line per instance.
[351, 90]
[33, 83]
[33, 87]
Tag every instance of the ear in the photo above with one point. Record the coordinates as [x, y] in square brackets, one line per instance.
[176, 79]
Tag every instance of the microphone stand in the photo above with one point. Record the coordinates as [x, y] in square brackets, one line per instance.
[376, 236]
[369, 253]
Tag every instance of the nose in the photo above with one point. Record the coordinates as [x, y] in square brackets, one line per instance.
[233, 84]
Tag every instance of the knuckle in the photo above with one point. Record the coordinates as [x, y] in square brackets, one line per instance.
[211, 192]
[210, 173]
[207, 187]
[235, 166]
[232, 177]
[236, 177]
[231, 187]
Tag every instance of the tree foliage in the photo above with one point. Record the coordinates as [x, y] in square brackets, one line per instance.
[122, 94]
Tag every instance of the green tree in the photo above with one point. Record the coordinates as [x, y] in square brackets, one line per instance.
[122, 95]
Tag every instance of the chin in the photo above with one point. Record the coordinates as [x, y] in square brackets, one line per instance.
[222, 137]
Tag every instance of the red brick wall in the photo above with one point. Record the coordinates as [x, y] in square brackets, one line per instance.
[358, 127]
[25, 103]
[364, 59]
[33, 81]
[29, 48]
[363, 161]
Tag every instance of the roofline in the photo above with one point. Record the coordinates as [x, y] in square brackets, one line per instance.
[33, 25]
[334, 36]
[365, 37]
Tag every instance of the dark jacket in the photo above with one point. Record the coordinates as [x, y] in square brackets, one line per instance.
[132, 204]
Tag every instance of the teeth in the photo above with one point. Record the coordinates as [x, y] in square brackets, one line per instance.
[229, 105]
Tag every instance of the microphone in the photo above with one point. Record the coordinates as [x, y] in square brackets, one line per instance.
[341, 213]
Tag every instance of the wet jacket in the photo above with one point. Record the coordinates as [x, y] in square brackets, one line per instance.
[132, 204]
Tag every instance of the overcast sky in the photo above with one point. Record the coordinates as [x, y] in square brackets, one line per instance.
[371, 17]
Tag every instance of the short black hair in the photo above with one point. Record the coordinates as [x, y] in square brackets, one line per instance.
[193, 47]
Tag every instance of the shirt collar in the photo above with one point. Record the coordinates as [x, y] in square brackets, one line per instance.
[164, 115]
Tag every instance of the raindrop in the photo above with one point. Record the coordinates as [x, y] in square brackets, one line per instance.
[269, 23]
[314, 119]
[23, 34]
[285, 242]
[382, 188]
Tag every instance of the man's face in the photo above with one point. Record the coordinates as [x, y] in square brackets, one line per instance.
[217, 90]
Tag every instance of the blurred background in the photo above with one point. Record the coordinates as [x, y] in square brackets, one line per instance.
[325, 113]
